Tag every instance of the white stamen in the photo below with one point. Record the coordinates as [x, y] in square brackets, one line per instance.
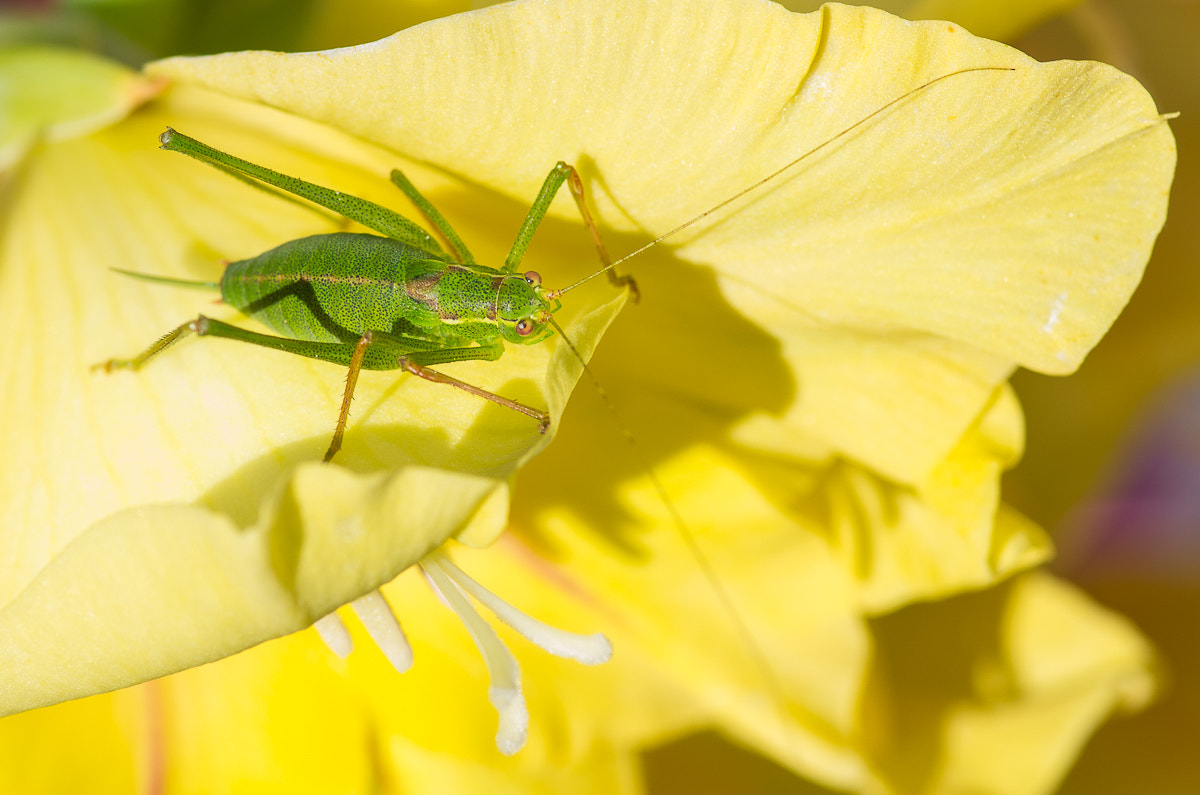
[505, 690]
[380, 622]
[333, 631]
[587, 649]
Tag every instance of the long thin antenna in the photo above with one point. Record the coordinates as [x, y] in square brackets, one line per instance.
[753, 647]
[791, 164]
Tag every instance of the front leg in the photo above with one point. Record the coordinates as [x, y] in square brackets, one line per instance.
[436, 377]
[564, 172]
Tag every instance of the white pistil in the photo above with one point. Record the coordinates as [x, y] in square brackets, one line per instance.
[333, 631]
[587, 649]
[380, 622]
[505, 690]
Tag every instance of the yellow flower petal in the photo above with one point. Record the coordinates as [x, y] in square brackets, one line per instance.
[835, 286]
[297, 725]
[290, 718]
[950, 534]
[156, 590]
[797, 602]
[1005, 712]
[52, 94]
[1002, 218]
[109, 738]
[993, 225]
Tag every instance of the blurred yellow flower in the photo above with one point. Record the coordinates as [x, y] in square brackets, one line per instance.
[817, 373]
[53, 94]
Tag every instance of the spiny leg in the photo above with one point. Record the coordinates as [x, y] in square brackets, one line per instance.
[163, 342]
[458, 249]
[368, 213]
[203, 326]
[356, 361]
[374, 350]
[436, 377]
[562, 172]
[617, 280]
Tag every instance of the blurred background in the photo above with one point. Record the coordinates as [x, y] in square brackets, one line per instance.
[1112, 466]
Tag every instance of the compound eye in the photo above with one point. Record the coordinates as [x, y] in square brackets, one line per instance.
[532, 277]
[525, 327]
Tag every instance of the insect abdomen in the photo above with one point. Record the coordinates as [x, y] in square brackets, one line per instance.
[327, 288]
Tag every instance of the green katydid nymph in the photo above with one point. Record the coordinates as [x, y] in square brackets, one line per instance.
[396, 300]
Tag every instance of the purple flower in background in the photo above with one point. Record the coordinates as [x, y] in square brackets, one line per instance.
[1146, 519]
